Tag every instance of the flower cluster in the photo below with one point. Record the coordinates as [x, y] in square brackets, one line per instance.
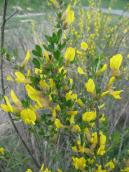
[52, 105]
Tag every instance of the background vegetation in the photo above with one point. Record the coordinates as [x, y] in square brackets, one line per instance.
[106, 35]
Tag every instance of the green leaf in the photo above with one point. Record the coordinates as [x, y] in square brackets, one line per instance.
[62, 46]
[36, 63]
[38, 51]
[48, 38]
[26, 102]
[57, 54]
[59, 35]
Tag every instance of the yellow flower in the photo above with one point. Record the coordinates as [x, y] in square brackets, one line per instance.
[72, 116]
[9, 78]
[110, 82]
[84, 46]
[43, 85]
[115, 63]
[81, 149]
[59, 170]
[52, 83]
[55, 3]
[110, 165]
[46, 55]
[42, 169]
[90, 161]
[71, 81]
[36, 95]
[71, 96]
[79, 163]
[126, 169]
[74, 149]
[54, 113]
[102, 138]
[69, 54]
[89, 116]
[100, 169]
[104, 93]
[90, 86]
[2, 151]
[80, 102]
[28, 170]
[76, 128]
[116, 94]
[33, 93]
[94, 138]
[16, 101]
[27, 58]
[58, 124]
[72, 112]
[20, 78]
[7, 107]
[62, 70]
[57, 108]
[37, 71]
[69, 15]
[80, 71]
[102, 106]
[101, 70]
[28, 116]
[101, 150]
[28, 73]
[79, 53]
[102, 118]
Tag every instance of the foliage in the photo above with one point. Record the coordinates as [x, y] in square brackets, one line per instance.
[59, 115]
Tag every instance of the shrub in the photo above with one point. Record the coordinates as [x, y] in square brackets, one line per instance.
[64, 94]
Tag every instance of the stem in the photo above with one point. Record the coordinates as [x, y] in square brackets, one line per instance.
[98, 132]
[97, 124]
[2, 79]
[2, 45]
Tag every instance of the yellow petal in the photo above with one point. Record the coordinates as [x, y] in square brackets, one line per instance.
[69, 54]
[15, 99]
[9, 78]
[69, 15]
[20, 78]
[89, 116]
[90, 86]
[28, 116]
[8, 103]
[101, 70]
[27, 58]
[80, 71]
[115, 63]
[5, 108]
[116, 94]
[43, 84]
[84, 46]
[58, 124]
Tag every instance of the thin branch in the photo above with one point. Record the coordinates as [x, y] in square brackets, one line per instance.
[97, 124]
[23, 142]
[98, 132]
[2, 80]
[2, 45]
[13, 14]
